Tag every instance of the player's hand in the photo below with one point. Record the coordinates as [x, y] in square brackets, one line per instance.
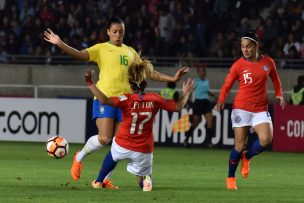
[281, 101]
[51, 37]
[219, 106]
[180, 73]
[89, 76]
[188, 86]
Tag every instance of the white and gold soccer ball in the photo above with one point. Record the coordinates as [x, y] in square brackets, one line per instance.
[57, 147]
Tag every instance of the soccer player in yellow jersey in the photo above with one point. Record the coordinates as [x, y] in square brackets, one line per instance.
[113, 59]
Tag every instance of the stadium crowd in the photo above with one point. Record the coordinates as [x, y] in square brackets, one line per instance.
[200, 28]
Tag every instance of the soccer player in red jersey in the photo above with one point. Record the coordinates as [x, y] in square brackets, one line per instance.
[250, 106]
[134, 140]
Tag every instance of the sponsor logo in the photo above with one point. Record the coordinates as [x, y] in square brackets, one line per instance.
[30, 122]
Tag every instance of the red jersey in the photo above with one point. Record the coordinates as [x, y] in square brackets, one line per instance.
[252, 79]
[136, 131]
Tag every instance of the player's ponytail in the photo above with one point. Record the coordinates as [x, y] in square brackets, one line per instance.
[138, 74]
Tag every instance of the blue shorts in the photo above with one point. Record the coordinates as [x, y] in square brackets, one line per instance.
[104, 111]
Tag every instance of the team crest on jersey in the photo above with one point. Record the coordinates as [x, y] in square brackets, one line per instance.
[122, 98]
[265, 68]
[101, 109]
[237, 119]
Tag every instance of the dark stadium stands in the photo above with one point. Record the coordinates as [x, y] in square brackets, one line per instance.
[171, 28]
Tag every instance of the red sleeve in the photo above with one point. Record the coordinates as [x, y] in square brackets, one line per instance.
[275, 79]
[120, 101]
[229, 81]
[165, 104]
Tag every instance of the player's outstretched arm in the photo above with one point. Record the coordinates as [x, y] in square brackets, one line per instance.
[165, 78]
[188, 87]
[52, 38]
[95, 91]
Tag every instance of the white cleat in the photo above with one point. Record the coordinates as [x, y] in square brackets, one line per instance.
[147, 184]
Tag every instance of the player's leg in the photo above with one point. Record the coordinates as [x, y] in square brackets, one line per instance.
[105, 131]
[209, 129]
[140, 164]
[207, 112]
[241, 121]
[116, 154]
[107, 166]
[240, 140]
[107, 183]
[145, 183]
[264, 131]
[265, 135]
[104, 116]
[262, 125]
[105, 128]
[196, 119]
[115, 132]
[105, 122]
[198, 110]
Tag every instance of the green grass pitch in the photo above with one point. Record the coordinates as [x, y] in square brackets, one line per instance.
[27, 174]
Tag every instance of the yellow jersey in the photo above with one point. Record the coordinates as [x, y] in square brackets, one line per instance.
[113, 62]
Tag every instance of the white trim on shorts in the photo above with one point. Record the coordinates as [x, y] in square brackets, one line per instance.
[242, 118]
[139, 163]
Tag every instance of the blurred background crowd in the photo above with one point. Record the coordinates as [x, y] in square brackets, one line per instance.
[171, 28]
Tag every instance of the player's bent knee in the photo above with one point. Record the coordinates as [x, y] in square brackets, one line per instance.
[265, 141]
[104, 139]
[240, 146]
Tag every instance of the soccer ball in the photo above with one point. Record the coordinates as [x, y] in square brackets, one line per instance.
[57, 147]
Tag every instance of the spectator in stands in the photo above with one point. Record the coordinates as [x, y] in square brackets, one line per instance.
[292, 55]
[218, 43]
[193, 16]
[26, 10]
[297, 92]
[302, 47]
[26, 45]
[291, 42]
[271, 32]
[181, 46]
[166, 26]
[277, 47]
[3, 55]
[47, 14]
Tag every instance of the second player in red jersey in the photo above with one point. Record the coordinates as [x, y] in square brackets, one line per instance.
[252, 79]
[250, 107]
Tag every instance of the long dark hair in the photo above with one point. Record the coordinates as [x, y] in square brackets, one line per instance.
[114, 20]
[251, 35]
